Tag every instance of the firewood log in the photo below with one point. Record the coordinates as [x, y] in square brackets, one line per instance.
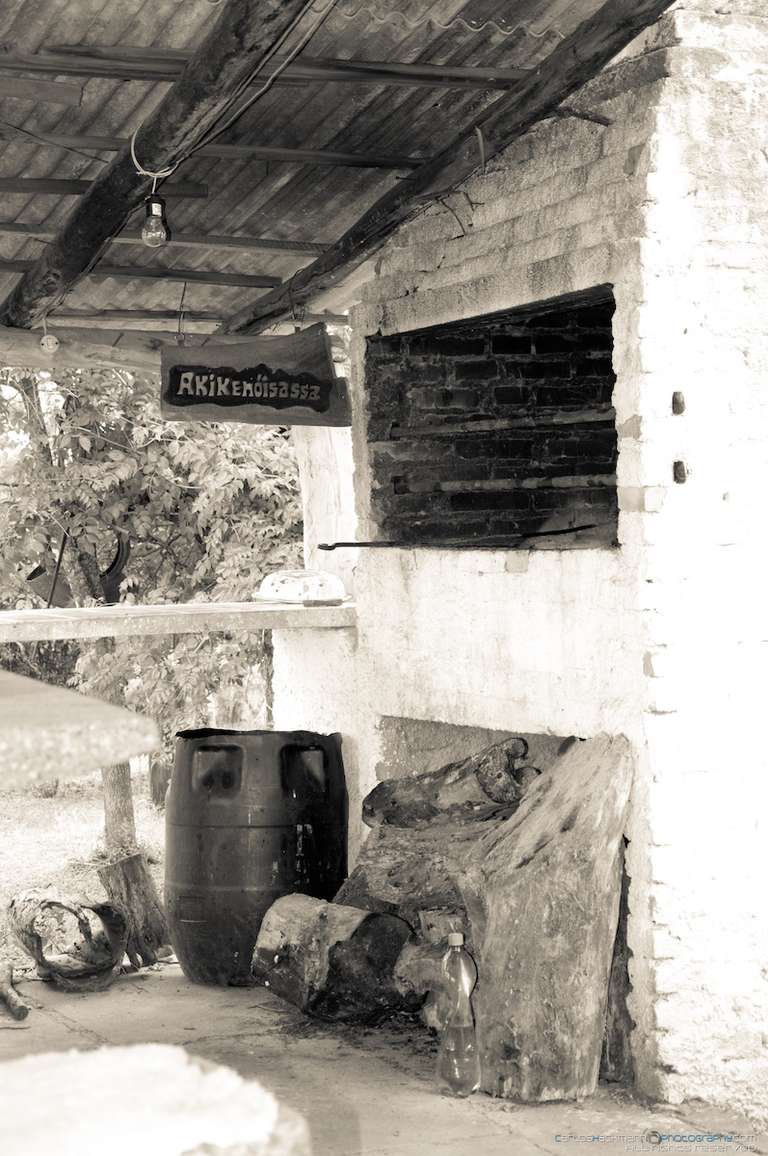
[534, 885]
[18, 1008]
[333, 962]
[79, 946]
[472, 789]
[130, 886]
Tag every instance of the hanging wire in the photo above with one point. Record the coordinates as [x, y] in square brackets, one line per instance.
[38, 138]
[179, 334]
[305, 39]
[156, 174]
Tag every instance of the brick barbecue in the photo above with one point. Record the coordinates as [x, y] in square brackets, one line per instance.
[497, 426]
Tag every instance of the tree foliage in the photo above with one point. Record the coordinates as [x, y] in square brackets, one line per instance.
[207, 509]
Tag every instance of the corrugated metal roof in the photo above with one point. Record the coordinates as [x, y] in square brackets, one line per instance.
[248, 197]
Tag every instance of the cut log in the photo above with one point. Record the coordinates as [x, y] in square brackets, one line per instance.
[18, 1007]
[535, 888]
[334, 962]
[130, 886]
[408, 871]
[542, 896]
[78, 946]
[471, 789]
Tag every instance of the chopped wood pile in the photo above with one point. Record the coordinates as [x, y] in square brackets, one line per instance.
[528, 864]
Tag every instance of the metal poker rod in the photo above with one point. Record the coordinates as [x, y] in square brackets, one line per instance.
[457, 543]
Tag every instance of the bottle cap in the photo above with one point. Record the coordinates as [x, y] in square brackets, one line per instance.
[455, 939]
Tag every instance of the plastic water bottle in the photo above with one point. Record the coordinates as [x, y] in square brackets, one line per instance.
[458, 1062]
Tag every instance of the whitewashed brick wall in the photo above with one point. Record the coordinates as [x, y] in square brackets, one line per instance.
[664, 639]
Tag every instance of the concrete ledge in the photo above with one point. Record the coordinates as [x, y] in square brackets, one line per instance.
[122, 621]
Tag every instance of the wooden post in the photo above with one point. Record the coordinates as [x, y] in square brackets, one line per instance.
[130, 886]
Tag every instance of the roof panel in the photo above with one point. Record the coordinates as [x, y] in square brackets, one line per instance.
[249, 197]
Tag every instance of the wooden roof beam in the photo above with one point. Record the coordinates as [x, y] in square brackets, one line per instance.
[234, 151]
[106, 317]
[165, 65]
[177, 240]
[153, 273]
[104, 349]
[41, 91]
[239, 42]
[63, 187]
[571, 64]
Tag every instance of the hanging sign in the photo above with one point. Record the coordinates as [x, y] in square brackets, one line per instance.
[263, 380]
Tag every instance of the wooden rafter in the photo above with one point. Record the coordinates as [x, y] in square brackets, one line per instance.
[239, 151]
[177, 240]
[166, 65]
[63, 187]
[41, 91]
[95, 319]
[153, 273]
[577, 59]
[239, 42]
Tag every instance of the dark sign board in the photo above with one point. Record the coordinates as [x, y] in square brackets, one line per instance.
[264, 381]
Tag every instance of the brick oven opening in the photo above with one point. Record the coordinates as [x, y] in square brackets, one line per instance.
[497, 430]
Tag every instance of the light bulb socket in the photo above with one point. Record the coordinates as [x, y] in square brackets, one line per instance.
[154, 206]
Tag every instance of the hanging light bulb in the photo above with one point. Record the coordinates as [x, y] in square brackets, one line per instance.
[154, 231]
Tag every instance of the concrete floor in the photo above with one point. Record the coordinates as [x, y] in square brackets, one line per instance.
[363, 1092]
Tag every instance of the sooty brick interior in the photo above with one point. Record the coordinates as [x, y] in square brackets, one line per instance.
[497, 428]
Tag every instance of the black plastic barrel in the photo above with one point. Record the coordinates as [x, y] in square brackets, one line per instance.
[250, 816]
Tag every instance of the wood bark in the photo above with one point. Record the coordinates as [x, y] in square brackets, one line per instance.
[130, 887]
[78, 946]
[334, 962]
[237, 44]
[473, 788]
[535, 888]
[119, 819]
[18, 1007]
[576, 60]
[617, 1065]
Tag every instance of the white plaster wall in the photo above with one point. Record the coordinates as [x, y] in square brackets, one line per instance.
[702, 330]
[664, 639]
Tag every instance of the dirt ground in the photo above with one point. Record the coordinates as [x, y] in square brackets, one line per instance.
[60, 841]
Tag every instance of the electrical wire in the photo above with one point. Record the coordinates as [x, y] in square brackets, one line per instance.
[44, 140]
[305, 39]
[155, 174]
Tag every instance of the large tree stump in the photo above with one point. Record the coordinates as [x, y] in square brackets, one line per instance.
[542, 896]
[334, 962]
[130, 886]
[534, 885]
